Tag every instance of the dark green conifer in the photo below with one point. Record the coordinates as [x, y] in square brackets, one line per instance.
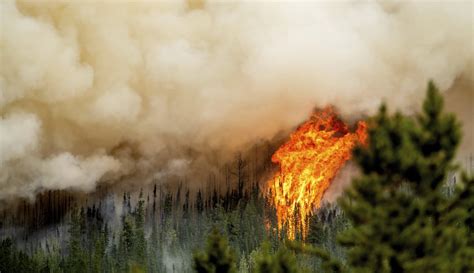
[402, 220]
[283, 261]
[139, 236]
[76, 259]
[218, 256]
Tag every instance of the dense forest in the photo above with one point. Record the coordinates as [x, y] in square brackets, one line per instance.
[410, 210]
[161, 235]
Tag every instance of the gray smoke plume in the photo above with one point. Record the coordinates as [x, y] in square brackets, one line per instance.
[94, 91]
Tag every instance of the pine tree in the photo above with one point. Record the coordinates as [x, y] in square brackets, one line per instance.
[100, 246]
[199, 202]
[283, 261]
[76, 259]
[402, 220]
[218, 256]
[126, 243]
[139, 242]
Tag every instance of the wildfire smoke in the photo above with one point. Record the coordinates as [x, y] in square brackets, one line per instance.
[99, 93]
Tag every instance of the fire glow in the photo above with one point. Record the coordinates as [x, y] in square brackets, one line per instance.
[308, 162]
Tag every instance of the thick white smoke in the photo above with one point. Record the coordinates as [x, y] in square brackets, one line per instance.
[92, 91]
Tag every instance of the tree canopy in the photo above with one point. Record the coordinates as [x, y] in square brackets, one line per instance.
[402, 220]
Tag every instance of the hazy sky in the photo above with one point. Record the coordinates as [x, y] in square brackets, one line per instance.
[94, 91]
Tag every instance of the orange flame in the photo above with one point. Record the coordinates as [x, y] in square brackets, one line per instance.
[308, 163]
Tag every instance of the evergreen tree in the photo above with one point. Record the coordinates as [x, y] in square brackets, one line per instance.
[402, 220]
[199, 202]
[139, 240]
[282, 262]
[126, 243]
[100, 246]
[218, 256]
[14, 260]
[6, 257]
[76, 259]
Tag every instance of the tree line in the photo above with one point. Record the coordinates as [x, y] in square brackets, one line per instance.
[399, 215]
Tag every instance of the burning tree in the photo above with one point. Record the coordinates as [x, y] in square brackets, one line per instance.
[402, 218]
[308, 162]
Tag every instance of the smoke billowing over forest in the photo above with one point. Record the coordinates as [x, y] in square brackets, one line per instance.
[324, 136]
[98, 92]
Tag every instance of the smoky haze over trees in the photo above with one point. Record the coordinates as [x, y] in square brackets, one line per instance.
[399, 215]
[131, 131]
[119, 92]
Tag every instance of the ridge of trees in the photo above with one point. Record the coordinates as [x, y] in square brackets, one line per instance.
[398, 216]
[401, 218]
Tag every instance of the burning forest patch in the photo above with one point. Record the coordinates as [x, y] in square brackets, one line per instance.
[308, 163]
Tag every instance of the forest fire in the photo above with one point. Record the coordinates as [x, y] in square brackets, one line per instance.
[308, 162]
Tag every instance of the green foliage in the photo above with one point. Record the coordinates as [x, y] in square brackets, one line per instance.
[139, 251]
[132, 249]
[95, 246]
[9, 256]
[283, 261]
[76, 259]
[218, 256]
[402, 220]
[397, 217]
[15, 260]
[330, 264]
[325, 226]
